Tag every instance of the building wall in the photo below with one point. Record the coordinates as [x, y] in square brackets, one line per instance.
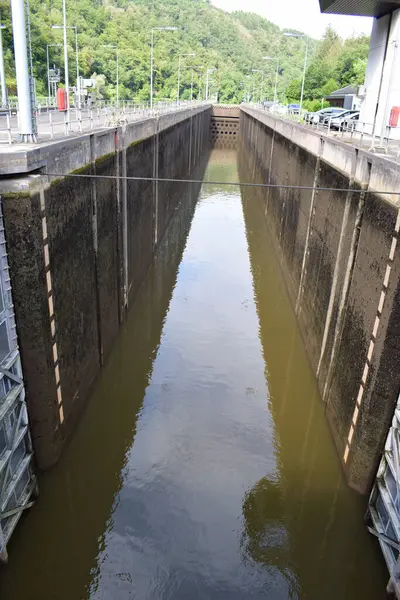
[382, 80]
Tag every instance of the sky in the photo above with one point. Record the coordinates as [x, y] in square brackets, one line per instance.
[303, 16]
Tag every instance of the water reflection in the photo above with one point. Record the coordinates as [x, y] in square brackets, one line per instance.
[203, 467]
[316, 520]
[57, 543]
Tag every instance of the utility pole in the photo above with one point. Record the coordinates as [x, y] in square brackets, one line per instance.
[152, 57]
[179, 74]
[66, 75]
[26, 116]
[301, 35]
[78, 87]
[208, 71]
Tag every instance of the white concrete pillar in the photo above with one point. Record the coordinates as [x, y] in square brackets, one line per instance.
[22, 71]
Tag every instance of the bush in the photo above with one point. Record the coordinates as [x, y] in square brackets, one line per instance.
[314, 105]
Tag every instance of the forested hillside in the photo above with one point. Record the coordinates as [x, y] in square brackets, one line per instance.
[233, 44]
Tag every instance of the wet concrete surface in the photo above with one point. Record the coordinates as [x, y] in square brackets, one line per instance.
[203, 466]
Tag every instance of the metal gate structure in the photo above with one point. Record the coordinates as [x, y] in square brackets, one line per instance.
[384, 504]
[17, 477]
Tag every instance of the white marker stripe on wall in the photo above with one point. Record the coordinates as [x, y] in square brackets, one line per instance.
[46, 255]
[371, 348]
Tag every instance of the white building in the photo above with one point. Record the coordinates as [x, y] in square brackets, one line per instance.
[381, 92]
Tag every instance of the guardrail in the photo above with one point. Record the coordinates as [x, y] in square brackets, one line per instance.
[359, 133]
[52, 123]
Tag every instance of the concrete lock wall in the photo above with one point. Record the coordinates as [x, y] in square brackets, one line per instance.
[79, 249]
[338, 253]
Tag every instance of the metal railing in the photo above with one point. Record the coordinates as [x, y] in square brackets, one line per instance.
[53, 123]
[359, 133]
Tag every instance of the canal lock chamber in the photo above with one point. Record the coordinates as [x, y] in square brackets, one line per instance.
[121, 224]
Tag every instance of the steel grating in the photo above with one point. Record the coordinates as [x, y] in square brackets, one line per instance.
[384, 504]
[17, 477]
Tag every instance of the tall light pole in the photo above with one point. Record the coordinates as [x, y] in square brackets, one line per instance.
[64, 27]
[179, 73]
[76, 57]
[207, 74]
[276, 75]
[152, 56]
[301, 35]
[66, 75]
[262, 80]
[48, 66]
[4, 99]
[117, 84]
[194, 67]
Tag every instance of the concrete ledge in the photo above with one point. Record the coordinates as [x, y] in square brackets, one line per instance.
[337, 243]
[71, 153]
[348, 159]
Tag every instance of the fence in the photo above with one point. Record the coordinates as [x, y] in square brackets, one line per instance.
[358, 133]
[52, 123]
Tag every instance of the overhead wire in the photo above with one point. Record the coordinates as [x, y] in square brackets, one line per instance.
[230, 183]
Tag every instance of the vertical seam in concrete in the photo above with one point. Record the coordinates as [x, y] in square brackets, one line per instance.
[309, 225]
[371, 346]
[50, 300]
[342, 237]
[269, 171]
[155, 182]
[190, 145]
[124, 217]
[118, 201]
[345, 290]
[95, 247]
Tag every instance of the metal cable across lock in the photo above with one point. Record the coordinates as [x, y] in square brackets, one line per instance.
[231, 183]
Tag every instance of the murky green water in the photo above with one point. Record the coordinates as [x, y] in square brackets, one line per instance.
[203, 467]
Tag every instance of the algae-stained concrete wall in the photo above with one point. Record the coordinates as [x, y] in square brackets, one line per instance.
[79, 249]
[338, 253]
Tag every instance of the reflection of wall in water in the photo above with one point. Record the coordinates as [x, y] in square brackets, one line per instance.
[93, 464]
[303, 522]
[337, 252]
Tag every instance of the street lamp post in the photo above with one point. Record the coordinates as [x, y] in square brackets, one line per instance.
[78, 86]
[276, 75]
[194, 67]
[66, 75]
[208, 72]
[152, 56]
[179, 73]
[262, 81]
[76, 57]
[301, 35]
[48, 67]
[117, 61]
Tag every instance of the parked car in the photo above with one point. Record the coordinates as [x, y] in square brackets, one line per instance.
[344, 113]
[344, 121]
[320, 115]
[293, 109]
[279, 109]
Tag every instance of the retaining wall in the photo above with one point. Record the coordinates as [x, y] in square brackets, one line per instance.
[79, 249]
[339, 256]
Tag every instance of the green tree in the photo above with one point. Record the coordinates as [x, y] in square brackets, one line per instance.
[233, 43]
